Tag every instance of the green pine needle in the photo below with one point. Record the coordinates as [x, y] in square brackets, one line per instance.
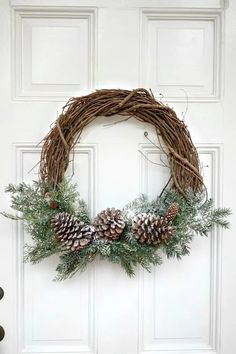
[32, 202]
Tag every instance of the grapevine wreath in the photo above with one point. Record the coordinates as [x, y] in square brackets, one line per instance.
[140, 233]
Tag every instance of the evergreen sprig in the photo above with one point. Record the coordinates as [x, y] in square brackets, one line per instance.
[196, 216]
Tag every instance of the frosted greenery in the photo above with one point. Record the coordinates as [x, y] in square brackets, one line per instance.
[196, 216]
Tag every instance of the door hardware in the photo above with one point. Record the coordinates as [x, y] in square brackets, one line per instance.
[1, 293]
[2, 333]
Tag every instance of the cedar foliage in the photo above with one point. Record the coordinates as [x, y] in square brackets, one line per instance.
[196, 216]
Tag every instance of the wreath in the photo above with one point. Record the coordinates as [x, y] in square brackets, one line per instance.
[143, 231]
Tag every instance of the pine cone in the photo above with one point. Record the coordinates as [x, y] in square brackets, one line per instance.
[54, 204]
[109, 224]
[151, 229]
[73, 235]
[172, 211]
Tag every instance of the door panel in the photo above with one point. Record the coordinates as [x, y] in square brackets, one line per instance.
[185, 52]
[176, 312]
[51, 316]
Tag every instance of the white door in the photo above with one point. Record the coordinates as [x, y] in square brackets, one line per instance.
[185, 50]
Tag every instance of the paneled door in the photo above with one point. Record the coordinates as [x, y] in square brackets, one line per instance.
[185, 51]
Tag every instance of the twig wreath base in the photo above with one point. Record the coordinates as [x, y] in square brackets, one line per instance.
[139, 234]
[138, 103]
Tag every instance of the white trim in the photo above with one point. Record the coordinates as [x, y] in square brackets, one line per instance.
[21, 12]
[215, 151]
[214, 15]
[41, 346]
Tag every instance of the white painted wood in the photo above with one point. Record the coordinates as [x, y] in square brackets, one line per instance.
[181, 53]
[51, 50]
[40, 39]
[44, 333]
[172, 327]
[204, 4]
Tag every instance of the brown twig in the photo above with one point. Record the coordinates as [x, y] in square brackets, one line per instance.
[139, 103]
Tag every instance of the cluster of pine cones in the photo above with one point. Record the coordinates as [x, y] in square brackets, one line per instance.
[153, 229]
[109, 225]
[75, 235]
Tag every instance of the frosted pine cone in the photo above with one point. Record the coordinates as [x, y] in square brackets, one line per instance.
[151, 229]
[73, 235]
[109, 224]
[172, 211]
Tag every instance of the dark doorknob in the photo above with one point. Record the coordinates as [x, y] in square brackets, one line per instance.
[1, 293]
[2, 333]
